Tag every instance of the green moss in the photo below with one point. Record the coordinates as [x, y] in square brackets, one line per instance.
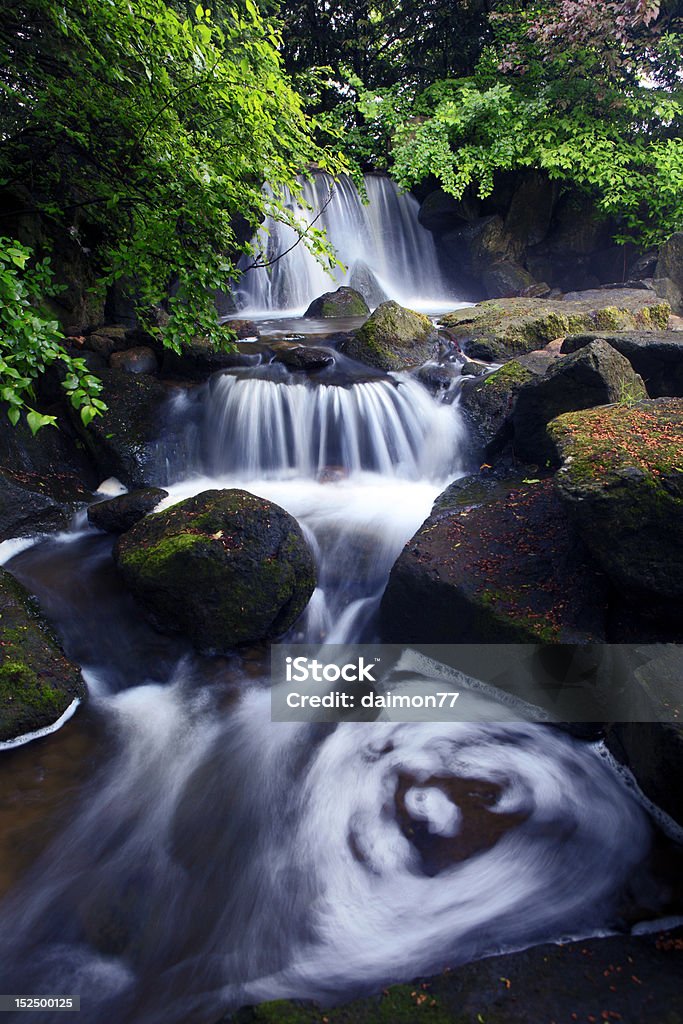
[19, 683]
[509, 376]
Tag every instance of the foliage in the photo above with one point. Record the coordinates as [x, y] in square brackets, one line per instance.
[590, 94]
[145, 130]
[29, 342]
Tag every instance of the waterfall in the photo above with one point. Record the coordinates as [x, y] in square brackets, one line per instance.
[386, 252]
[257, 427]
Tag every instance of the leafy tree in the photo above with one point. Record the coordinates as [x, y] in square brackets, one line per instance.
[590, 94]
[147, 132]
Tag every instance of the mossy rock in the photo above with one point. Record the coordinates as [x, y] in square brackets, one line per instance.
[594, 376]
[621, 481]
[501, 329]
[343, 302]
[488, 403]
[37, 682]
[393, 338]
[221, 568]
[496, 562]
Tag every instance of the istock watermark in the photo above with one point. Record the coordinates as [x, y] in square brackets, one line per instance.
[552, 683]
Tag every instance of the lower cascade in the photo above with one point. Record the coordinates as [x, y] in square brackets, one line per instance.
[212, 858]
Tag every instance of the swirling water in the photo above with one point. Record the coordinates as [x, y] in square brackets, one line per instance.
[214, 858]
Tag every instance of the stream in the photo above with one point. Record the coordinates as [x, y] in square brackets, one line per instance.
[171, 852]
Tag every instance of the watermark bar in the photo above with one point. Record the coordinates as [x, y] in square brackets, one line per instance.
[562, 683]
[39, 1003]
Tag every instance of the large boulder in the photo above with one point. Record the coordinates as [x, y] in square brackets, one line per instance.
[478, 244]
[656, 355]
[502, 329]
[393, 338]
[653, 751]
[531, 209]
[507, 278]
[440, 212]
[595, 375]
[670, 269]
[488, 403]
[622, 484]
[31, 504]
[116, 515]
[496, 562]
[122, 441]
[343, 302]
[37, 682]
[221, 568]
[139, 359]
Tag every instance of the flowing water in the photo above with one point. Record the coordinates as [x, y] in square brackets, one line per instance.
[199, 856]
[385, 251]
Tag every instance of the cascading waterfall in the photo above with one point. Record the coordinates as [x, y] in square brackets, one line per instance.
[385, 250]
[216, 858]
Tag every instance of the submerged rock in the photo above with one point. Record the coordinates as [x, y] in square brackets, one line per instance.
[343, 302]
[501, 329]
[393, 338]
[496, 562]
[221, 568]
[37, 682]
[656, 355]
[621, 481]
[118, 514]
[595, 375]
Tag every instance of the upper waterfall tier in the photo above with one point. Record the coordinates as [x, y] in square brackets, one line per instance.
[386, 252]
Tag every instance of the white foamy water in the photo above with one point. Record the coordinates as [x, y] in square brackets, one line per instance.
[385, 252]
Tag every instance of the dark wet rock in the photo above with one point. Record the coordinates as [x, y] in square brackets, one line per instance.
[496, 562]
[488, 403]
[54, 453]
[479, 244]
[531, 209]
[621, 482]
[506, 278]
[441, 212]
[107, 340]
[473, 368]
[221, 568]
[31, 504]
[502, 329]
[139, 359]
[37, 682]
[670, 266]
[438, 377]
[393, 338]
[303, 357]
[243, 328]
[201, 358]
[122, 440]
[653, 752]
[116, 515]
[656, 355]
[595, 375]
[633, 979]
[342, 302]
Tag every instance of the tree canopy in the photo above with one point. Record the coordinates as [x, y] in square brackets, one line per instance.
[590, 94]
[146, 130]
